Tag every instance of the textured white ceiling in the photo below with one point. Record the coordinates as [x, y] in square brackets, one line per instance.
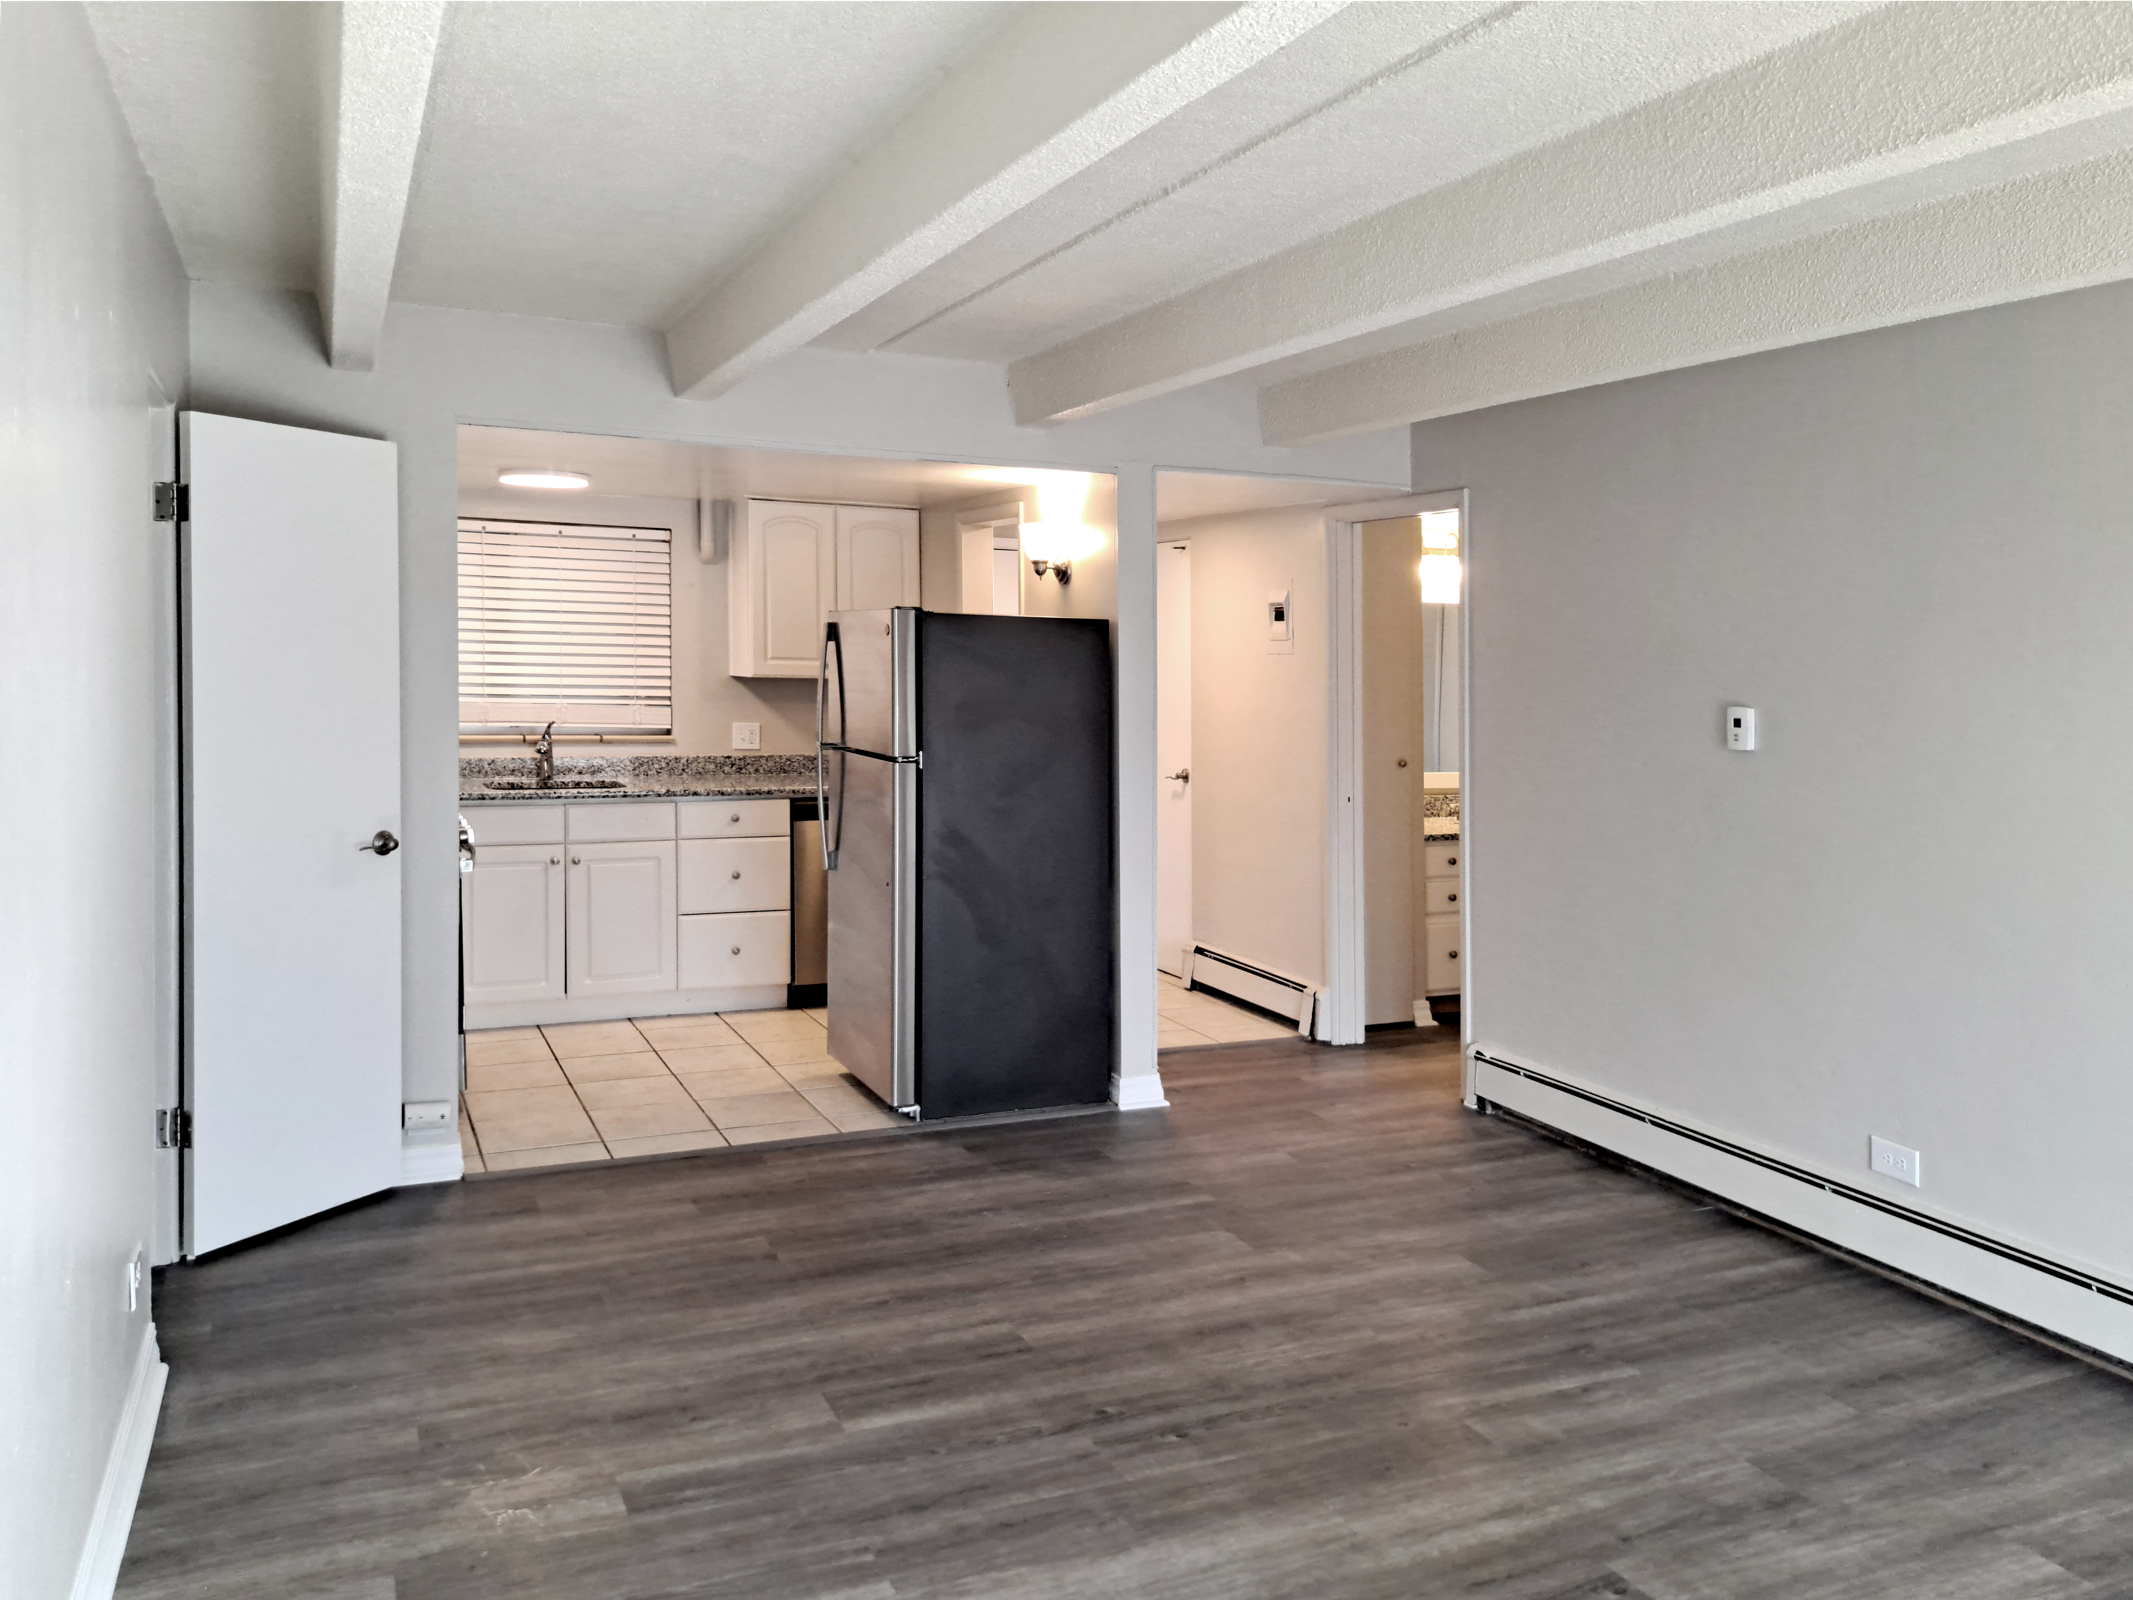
[666, 470]
[223, 99]
[604, 162]
[1148, 196]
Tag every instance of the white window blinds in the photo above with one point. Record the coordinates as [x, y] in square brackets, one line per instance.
[565, 623]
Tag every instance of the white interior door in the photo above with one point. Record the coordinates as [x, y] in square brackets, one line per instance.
[1391, 622]
[292, 633]
[1173, 756]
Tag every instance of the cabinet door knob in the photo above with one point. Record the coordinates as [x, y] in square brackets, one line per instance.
[735, 817]
[736, 949]
[574, 860]
[1451, 899]
[1451, 861]
[1453, 955]
[736, 872]
[555, 861]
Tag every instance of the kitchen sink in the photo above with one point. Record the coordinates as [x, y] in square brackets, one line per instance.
[556, 783]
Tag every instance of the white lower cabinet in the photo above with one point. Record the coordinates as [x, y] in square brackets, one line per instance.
[735, 950]
[621, 918]
[512, 911]
[616, 917]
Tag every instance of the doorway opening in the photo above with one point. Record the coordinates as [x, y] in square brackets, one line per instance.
[1242, 730]
[648, 906]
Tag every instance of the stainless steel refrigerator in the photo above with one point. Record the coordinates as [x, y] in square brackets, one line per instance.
[969, 831]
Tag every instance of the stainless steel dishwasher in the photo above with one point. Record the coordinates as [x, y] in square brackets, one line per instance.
[810, 910]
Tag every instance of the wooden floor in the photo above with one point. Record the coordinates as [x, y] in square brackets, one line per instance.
[1316, 1332]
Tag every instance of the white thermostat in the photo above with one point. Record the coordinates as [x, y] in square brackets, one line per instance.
[1740, 727]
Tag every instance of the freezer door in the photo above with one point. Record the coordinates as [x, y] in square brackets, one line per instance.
[869, 690]
[872, 918]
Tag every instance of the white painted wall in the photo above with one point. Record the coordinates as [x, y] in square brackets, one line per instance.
[256, 354]
[92, 338]
[1259, 739]
[1907, 913]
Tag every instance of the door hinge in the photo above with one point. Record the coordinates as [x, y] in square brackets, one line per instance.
[174, 1129]
[173, 502]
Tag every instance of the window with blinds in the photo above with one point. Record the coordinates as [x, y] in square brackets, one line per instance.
[566, 624]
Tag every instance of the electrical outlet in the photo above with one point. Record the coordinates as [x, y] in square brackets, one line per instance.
[747, 736]
[420, 1115]
[1893, 1160]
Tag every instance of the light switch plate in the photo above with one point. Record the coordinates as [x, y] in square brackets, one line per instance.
[747, 736]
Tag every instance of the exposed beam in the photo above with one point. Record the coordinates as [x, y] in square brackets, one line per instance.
[379, 56]
[1862, 120]
[2038, 235]
[1063, 86]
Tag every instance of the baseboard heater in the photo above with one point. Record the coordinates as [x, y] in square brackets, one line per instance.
[1802, 1198]
[1255, 986]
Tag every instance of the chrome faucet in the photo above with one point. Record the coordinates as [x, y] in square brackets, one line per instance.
[544, 756]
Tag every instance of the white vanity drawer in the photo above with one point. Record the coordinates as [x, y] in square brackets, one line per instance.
[1440, 895]
[1442, 934]
[622, 824]
[734, 819]
[1441, 860]
[736, 875]
[504, 823]
[743, 949]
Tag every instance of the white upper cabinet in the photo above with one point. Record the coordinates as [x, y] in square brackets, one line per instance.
[877, 558]
[793, 564]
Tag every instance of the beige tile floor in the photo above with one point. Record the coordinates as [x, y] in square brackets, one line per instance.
[593, 1091]
[1194, 1017]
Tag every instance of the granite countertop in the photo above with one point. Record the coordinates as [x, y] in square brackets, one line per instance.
[780, 777]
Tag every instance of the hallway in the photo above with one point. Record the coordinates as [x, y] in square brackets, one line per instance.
[1315, 1332]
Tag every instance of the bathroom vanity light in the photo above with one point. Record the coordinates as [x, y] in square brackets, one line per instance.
[517, 479]
[1440, 558]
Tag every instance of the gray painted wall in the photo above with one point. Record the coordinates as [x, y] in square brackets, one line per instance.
[92, 337]
[1911, 912]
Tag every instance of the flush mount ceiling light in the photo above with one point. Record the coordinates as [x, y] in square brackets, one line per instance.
[516, 479]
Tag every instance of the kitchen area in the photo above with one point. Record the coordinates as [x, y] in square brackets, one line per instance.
[710, 894]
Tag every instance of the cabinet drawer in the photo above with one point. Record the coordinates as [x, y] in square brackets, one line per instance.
[1442, 934]
[734, 819]
[1439, 895]
[735, 875]
[737, 950]
[622, 824]
[511, 824]
[1441, 860]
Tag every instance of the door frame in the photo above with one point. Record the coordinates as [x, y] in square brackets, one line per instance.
[1341, 1007]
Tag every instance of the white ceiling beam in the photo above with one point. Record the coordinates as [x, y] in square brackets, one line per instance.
[377, 85]
[1063, 86]
[2045, 234]
[1862, 120]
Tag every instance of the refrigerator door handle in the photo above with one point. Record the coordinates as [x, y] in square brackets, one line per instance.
[831, 837]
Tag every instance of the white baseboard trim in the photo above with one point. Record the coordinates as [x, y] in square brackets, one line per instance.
[1141, 1092]
[2059, 1297]
[96, 1577]
[433, 1161]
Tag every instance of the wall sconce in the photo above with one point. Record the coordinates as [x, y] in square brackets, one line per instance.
[1059, 538]
[1440, 571]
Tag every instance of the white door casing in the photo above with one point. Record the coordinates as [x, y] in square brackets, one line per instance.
[1173, 755]
[291, 629]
